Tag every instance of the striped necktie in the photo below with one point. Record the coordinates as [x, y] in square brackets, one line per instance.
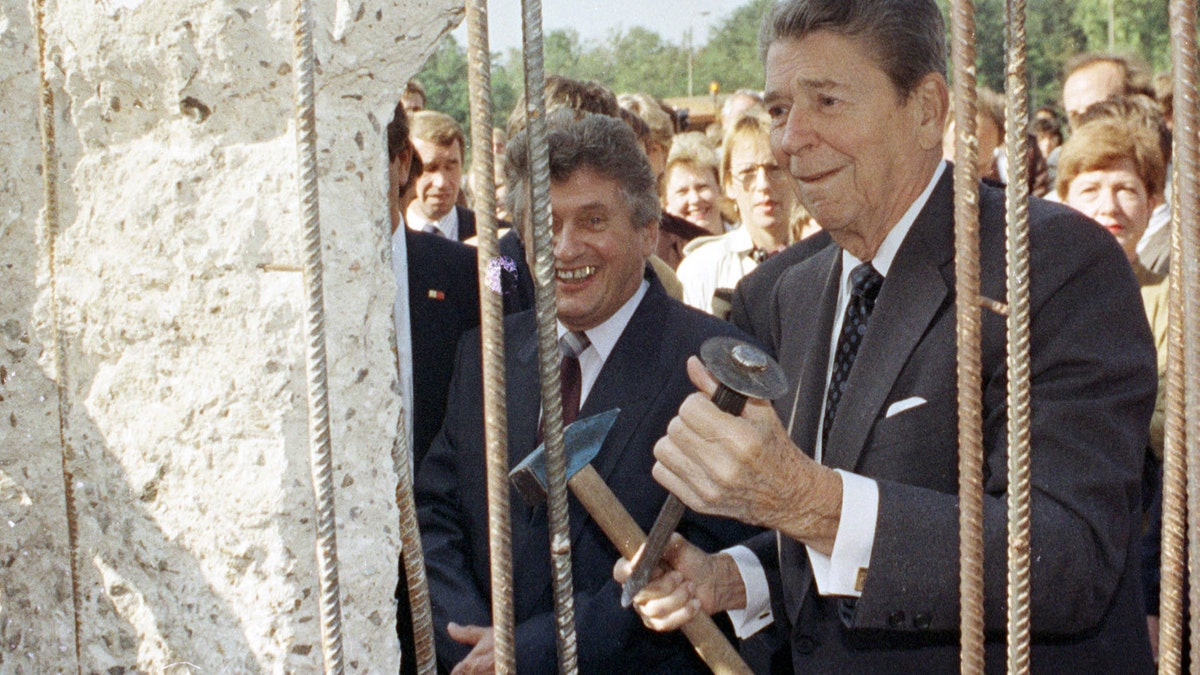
[570, 346]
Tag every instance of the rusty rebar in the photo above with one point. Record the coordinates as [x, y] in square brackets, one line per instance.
[1175, 469]
[321, 450]
[50, 219]
[1185, 268]
[495, 416]
[548, 354]
[967, 315]
[411, 553]
[1016, 123]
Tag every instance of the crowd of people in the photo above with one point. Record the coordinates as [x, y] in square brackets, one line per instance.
[814, 219]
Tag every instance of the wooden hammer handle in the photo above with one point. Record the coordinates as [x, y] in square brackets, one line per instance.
[623, 531]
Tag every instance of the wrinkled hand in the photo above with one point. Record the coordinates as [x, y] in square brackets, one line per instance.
[482, 659]
[685, 582]
[746, 467]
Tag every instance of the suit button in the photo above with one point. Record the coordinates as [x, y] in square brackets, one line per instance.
[896, 619]
[805, 644]
[922, 620]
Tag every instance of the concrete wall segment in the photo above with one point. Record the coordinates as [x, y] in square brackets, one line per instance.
[181, 305]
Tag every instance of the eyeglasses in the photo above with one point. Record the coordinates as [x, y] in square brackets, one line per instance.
[747, 176]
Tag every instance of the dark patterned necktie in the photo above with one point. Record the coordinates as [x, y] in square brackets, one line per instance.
[570, 345]
[865, 283]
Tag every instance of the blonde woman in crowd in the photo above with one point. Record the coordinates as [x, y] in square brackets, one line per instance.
[766, 206]
[691, 182]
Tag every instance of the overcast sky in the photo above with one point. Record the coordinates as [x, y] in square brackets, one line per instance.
[595, 19]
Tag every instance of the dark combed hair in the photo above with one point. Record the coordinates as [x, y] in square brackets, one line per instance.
[565, 92]
[397, 132]
[577, 140]
[907, 38]
[398, 140]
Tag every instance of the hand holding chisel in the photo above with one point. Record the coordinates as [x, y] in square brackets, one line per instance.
[743, 371]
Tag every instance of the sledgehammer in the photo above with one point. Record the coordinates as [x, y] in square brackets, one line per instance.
[581, 441]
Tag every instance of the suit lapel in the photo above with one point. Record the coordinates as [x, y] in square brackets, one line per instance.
[530, 533]
[804, 354]
[524, 400]
[912, 294]
[632, 374]
[466, 223]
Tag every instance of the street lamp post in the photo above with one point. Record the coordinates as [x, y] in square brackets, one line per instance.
[691, 50]
[688, 36]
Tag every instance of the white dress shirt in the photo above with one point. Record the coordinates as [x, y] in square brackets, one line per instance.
[837, 573]
[603, 339]
[447, 225]
[713, 262]
[404, 357]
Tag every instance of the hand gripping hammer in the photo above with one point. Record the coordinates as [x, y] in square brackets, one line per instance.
[581, 441]
[742, 371]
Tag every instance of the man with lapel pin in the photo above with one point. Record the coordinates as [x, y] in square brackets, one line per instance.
[856, 468]
[624, 344]
[437, 300]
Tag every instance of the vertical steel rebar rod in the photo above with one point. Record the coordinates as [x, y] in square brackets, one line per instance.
[548, 358]
[1175, 467]
[318, 381]
[411, 553]
[483, 180]
[50, 219]
[1186, 271]
[1016, 123]
[966, 263]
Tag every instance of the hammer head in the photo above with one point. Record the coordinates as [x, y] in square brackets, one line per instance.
[581, 442]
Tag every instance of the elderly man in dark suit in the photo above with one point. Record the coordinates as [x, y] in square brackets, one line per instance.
[627, 343]
[856, 468]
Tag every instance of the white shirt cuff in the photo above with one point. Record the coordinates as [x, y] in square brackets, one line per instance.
[844, 573]
[757, 614]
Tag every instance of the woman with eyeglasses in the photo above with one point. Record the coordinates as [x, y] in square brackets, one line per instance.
[766, 205]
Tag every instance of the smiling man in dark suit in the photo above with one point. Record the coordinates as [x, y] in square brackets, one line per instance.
[634, 342]
[856, 468]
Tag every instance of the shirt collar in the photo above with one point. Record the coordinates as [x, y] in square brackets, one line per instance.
[605, 335]
[882, 261]
[448, 224]
[739, 240]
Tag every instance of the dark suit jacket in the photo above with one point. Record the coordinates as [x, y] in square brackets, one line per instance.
[466, 223]
[752, 295]
[645, 377]
[1093, 376]
[443, 304]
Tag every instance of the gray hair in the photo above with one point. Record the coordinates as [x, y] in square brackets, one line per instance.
[906, 38]
[577, 140]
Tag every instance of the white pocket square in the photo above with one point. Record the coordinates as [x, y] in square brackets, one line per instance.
[907, 404]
